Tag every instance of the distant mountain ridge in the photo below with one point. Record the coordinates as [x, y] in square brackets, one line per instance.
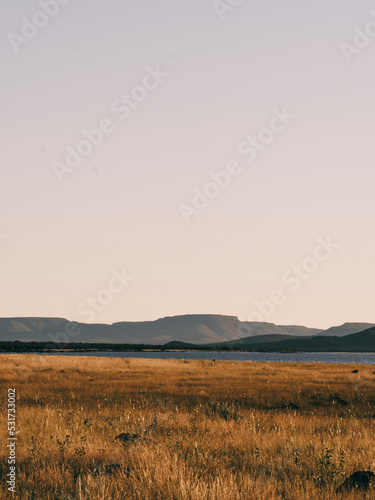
[198, 329]
[192, 328]
[347, 329]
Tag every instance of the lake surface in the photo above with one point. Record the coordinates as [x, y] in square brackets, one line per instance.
[302, 357]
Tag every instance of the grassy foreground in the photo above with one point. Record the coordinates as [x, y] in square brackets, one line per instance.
[212, 430]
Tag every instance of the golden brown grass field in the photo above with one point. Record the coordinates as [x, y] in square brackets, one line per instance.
[210, 430]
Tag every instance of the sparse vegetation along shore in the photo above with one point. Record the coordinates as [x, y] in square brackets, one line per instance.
[204, 430]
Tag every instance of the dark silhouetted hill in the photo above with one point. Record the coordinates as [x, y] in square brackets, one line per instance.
[355, 342]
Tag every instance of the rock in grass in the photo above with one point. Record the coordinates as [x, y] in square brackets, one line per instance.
[341, 402]
[355, 371]
[292, 406]
[128, 437]
[360, 480]
[109, 470]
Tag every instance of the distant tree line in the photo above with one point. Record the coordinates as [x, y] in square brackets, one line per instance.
[43, 347]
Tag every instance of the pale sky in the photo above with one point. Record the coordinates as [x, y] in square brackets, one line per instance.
[217, 78]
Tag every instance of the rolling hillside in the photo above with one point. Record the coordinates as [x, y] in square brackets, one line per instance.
[355, 342]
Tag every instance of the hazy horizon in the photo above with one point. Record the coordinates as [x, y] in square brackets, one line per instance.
[226, 160]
